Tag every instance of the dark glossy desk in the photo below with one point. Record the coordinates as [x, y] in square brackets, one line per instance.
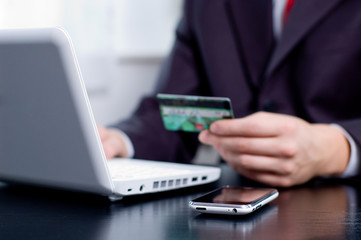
[319, 210]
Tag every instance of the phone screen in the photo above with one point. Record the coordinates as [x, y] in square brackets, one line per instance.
[235, 195]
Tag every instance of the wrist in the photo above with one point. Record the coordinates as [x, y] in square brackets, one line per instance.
[334, 149]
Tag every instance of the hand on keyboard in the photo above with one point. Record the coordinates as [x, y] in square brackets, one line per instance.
[113, 142]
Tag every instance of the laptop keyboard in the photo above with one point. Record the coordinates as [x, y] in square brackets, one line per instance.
[125, 170]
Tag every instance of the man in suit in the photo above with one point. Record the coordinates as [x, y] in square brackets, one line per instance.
[295, 88]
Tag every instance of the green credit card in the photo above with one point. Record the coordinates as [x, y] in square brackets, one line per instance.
[192, 113]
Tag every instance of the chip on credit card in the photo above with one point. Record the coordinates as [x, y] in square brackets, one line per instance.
[192, 113]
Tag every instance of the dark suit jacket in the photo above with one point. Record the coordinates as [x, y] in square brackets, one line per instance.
[226, 48]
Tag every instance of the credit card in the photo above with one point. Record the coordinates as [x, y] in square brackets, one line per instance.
[192, 113]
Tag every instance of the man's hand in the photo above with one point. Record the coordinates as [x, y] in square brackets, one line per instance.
[277, 149]
[113, 142]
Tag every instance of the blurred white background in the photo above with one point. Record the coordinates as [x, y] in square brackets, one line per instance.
[120, 44]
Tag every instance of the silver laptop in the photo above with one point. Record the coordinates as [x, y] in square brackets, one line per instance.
[48, 135]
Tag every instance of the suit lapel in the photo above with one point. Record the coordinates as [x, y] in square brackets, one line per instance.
[251, 23]
[304, 16]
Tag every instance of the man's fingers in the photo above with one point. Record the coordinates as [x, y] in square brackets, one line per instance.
[260, 124]
[113, 142]
[267, 146]
[270, 178]
[259, 163]
[103, 132]
[111, 148]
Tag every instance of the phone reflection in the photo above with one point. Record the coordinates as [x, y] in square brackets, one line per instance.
[232, 227]
[300, 213]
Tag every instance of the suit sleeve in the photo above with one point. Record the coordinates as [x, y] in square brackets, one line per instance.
[180, 74]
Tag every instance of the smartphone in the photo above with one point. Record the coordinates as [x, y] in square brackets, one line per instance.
[192, 113]
[234, 200]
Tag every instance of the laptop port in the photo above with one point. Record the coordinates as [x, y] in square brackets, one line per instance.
[163, 184]
[177, 182]
[185, 181]
[170, 183]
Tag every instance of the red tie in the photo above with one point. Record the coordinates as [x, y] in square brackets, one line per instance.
[287, 11]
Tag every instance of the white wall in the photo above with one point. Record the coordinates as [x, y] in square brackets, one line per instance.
[124, 83]
[120, 44]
